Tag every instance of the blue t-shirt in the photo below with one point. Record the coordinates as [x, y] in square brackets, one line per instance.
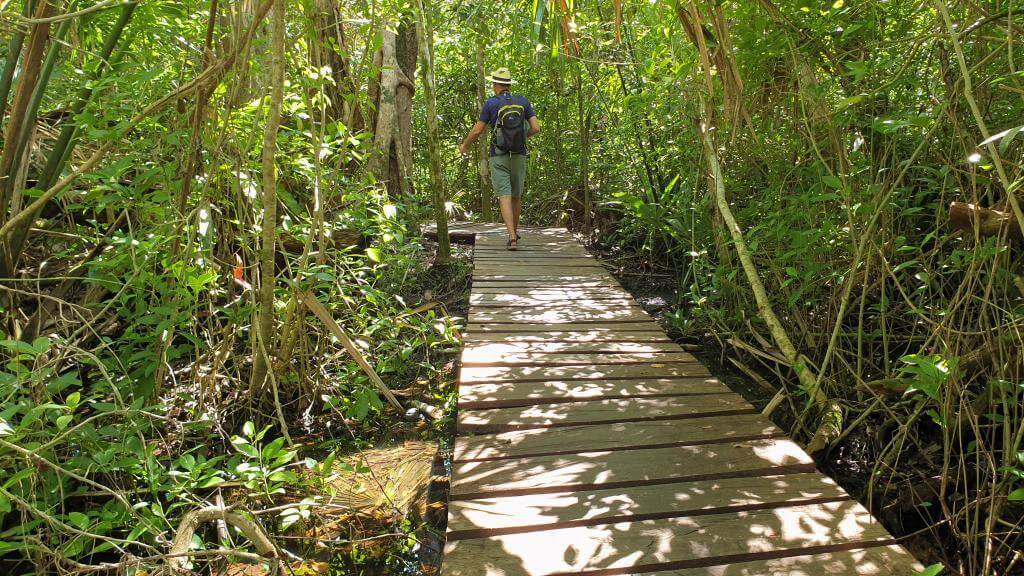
[489, 113]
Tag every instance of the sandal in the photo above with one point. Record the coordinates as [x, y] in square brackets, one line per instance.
[511, 245]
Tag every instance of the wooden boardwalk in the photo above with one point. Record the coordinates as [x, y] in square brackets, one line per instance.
[590, 443]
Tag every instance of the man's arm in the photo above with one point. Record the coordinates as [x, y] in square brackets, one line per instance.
[475, 133]
[534, 126]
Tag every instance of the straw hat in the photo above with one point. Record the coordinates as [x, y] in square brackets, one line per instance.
[501, 76]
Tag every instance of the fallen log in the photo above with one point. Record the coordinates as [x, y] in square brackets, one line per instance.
[985, 221]
[338, 239]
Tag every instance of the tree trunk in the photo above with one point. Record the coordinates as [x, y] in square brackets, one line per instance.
[329, 51]
[426, 42]
[384, 126]
[401, 162]
[263, 337]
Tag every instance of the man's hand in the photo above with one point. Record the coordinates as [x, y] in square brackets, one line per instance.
[464, 150]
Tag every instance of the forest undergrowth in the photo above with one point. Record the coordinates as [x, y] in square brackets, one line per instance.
[214, 291]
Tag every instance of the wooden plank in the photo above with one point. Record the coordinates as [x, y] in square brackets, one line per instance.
[538, 262]
[497, 241]
[877, 561]
[499, 245]
[533, 283]
[474, 348]
[504, 394]
[602, 327]
[538, 270]
[483, 334]
[492, 516]
[600, 411]
[529, 252]
[465, 231]
[532, 256]
[537, 298]
[568, 304]
[668, 542]
[575, 439]
[533, 278]
[610, 469]
[484, 358]
[529, 234]
[476, 374]
[552, 294]
[547, 260]
[557, 315]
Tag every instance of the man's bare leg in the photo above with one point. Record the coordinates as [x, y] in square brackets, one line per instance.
[509, 215]
[517, 209]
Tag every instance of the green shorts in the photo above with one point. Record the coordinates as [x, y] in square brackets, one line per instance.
[508, 174]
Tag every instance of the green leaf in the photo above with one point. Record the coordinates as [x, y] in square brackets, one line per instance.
[248, 429]
[78, 520]
[41, 344]
[212, 481]
[18, 346]
[373, 254]
[1016, 496]
[244, 447]
[904, 265]
[63, 421]
[1006, 136]
[832, 181]
[932, 570]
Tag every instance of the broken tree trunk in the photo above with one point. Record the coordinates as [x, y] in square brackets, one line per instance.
[985, 221]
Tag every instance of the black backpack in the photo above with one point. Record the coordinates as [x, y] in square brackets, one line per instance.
[510, 127]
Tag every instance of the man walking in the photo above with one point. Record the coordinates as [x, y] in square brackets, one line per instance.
[511, 119]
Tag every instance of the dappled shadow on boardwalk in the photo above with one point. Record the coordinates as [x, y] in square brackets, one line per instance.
[584, 470]
[592, 444]
[686, 542]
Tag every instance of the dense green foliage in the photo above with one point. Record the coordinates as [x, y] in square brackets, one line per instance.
[131, 290]
[125, 392]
